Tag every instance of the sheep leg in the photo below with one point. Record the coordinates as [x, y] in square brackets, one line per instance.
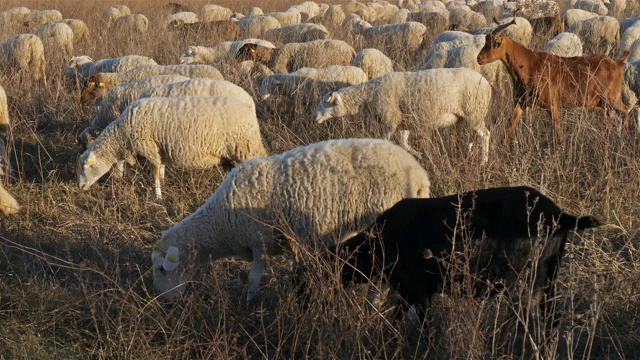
[484, 135]
[162, 172]
[156, 180]
[255, 274]
[404, 136]
[515, 118]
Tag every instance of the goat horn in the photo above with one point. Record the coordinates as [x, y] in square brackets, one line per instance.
[498, 30]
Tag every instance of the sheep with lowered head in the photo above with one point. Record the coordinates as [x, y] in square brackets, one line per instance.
[128, 24]
[81, 68]
[309, 84]
[565, 44]
[112, 13]
[219, 54]
[23, 53]
[434, 98]
[187, 131]
[99, 85]
[393, 39]
[292, 56]
[117, 99]
[57, 39]
[373, 62]
[599, 35]
[317, 193]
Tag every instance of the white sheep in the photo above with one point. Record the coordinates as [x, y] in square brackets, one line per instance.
[289, 17]
[520, 32]
[132, 23]
[630, 35]
[309, 84]
[290, 57]
[466, 17]
[253, 11]
[81, 68]
[433, 98]
[183, 17]
[187, 131]
[308, 9]
[37, 18]
[599, 35]
[373, 62]
[297, 33]
[57, 39]
[617, 8]
[23, 53]
[316, 194]
[79, 28]
[99, 85]
[631, 88]
[117, 99]
[212, 12]
[219, 54]
[200, 87]
[13, 16]
[634, 51]
[572, 16]
[393, 39]
[257, 26]
[332, 18]
[565, 44]
[112, 13]
[594, 6]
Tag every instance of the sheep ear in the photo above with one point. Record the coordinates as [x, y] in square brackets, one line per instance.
[337, 99]
[171, 259]
[332, 98]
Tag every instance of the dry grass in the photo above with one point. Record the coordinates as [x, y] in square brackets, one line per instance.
[74, 266]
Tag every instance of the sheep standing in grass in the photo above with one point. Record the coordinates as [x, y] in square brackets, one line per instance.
[23, 53]
[57, 39]
[102, 83]
[79, 28]
[293, 56]
[212, 12]
[373, 62]
[128, 24]
[188, 131]
[393, 39]
[257, 26]
[297, 33]
[81, 68]
[219, 54]
[565, 44]
[599, 35]
[572, 16]
[112, 13]
[117, 99]
[316, 194]
[40, 17]
[435, 98]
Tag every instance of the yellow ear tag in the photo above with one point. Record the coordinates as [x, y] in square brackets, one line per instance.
[100, 84]
[90, 160]
[499, 41]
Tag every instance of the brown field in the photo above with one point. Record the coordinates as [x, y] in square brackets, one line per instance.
[75, 278]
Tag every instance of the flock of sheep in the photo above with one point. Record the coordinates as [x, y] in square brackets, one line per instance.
[394, 61]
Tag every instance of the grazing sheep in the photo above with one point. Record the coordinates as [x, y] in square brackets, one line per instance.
[212, 32]
[309, 84]
[307, 8]
[187, 131]
[200, 87]
[79, 28]
[497, 233]
[184, 17]
[572, 16]
[253, 11]
[467, 18]
[257, 26]
[289, 17]
[631, 90]
[97, 86]
[395, 39]
[116, 100]
[23, 53]
[332, 18]
[290, 57]
[112, 13]
[13, 16]
[219, 54]
[317, 193]
[212, 12]
[57, 39]
[133, 23]
[627, 23]
[373, 62]
[634, 51]
[296, 33]
[81, 68]
[565, 44]
[174, 8]
[599, 35]
[435, 98]
[594, 6]
[38, 18]
[521, 31]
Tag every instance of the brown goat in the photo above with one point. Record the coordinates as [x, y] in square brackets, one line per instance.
[556, 81]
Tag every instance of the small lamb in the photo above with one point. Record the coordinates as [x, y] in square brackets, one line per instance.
[188, 131]
[317, 194]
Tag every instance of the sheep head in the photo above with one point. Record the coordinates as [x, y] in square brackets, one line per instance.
[331, 106]
[255, 52]
[90, 168]
[169, 278]
[94, 90]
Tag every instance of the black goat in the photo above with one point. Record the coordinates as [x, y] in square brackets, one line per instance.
[411, 243]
